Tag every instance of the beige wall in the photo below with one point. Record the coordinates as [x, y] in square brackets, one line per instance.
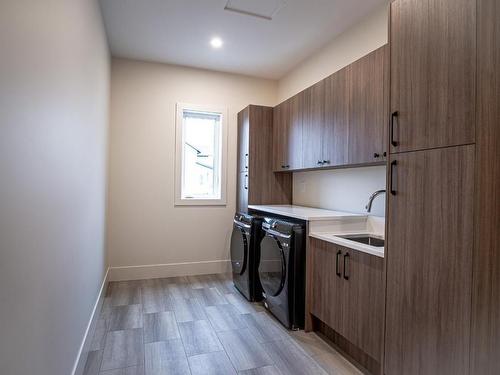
[346, 189]
[368, 35]
[53, 141]
[144, 226]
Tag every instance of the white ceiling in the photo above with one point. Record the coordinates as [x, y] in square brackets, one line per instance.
[179, 31]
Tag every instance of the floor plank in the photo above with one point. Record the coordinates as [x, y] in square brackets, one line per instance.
[263, 328]
[93, 363]
[99, 335]
[290, 359]
[335, 364]
[160, 327]
[216, 363]
[209, 296]
[225, 317]
[188, 310]
[125, 317]
[243, 350]
[166, 357]
[125, 293]
[123, 349]
[266, 370]
[134, 370]
[155, 297]
[199, 337]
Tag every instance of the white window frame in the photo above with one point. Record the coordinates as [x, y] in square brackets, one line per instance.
[179, 141]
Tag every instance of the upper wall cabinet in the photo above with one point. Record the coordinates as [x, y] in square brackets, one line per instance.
[368, 104]
[336, 126]
[339, 121]
[287, 134]
[433, 57]
[313, 120]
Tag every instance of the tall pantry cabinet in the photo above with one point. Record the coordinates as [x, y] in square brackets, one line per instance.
[256, 181]
[443, 280]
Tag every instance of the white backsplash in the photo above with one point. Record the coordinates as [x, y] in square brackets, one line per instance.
[341, 189]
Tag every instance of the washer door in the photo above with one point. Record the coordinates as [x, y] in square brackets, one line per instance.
[272, 267]
[239, 250]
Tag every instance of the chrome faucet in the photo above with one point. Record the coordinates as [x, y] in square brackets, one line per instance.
[372, 197]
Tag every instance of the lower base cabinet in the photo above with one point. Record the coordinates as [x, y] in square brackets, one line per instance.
[347, 294]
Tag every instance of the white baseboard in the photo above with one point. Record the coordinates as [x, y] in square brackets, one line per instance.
[81, 358]
[151, 271]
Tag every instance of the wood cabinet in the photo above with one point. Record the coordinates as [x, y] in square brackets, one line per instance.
[335, 133]
[485, 353]
[339, 121]
[429, 261]
[368, 105]
[326, 286]
[256, 181]
[433, 65]
[313, 123]
[347, 294]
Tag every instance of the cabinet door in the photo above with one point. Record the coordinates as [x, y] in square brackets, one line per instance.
[313, 125]
[336, 124]
[433, 54]
[364, 302]
[486, 290]
[327, 287]
[429, 271]
[368, 100]
[242, 192]
[294, 141]
[281, 117]
[243, 139]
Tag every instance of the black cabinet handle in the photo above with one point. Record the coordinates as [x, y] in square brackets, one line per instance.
[320, 162]
[337, 269]
[326, 161]
[246, 182]
[393, 116]
[346, 266]
[391, 182]
[376, 155]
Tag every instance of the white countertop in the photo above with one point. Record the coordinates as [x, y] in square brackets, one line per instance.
[304, 213]
[330, 232]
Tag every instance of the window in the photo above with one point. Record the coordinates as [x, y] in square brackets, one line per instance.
[200, 156]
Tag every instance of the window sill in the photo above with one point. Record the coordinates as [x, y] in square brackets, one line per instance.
[200, 202]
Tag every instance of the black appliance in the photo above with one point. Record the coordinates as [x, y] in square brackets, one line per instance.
[245, 254]
[282, 270]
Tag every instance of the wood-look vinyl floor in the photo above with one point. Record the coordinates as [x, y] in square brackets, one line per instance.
[200, 325]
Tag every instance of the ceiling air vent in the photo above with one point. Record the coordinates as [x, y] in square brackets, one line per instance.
[266, 9]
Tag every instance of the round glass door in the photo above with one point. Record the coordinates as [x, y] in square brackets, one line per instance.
[272, 267]
[239, 251]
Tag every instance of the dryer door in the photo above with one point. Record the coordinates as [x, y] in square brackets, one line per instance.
[239, 250]
[272, 267]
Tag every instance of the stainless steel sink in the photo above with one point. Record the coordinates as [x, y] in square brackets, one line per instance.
[365, 239]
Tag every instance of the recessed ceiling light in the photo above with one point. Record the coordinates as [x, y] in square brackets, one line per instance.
[216, 42]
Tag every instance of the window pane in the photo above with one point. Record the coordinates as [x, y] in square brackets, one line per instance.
[201, 155]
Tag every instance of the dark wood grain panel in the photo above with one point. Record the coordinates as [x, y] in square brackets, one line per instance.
[313, 125]
[256, 181]
[429, 271]
[368, 97]
[364, 302]
[243, 139]
[281, 125]
[336, 126]
[265, 186]
[433, 51]
[294, 133]
[485, 353]
[327, 289]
